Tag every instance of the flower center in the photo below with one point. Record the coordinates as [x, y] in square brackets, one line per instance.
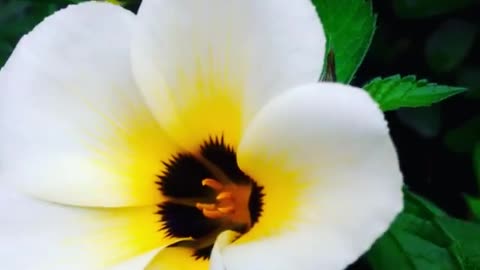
[231, 204]
[207, 193]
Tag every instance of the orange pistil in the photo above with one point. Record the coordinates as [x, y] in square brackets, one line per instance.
[231, 203]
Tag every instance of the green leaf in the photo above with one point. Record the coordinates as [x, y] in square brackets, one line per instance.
[472, 202]
[396, 92]
[463, 138]
[420, 207]
[426, 8]
[448, 46]
[423, 237]
[474, 206]
[465, 240]
[404, 248]
[349, 26]
[476, 161]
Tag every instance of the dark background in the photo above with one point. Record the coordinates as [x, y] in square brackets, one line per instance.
[435, 157]
[400, 46]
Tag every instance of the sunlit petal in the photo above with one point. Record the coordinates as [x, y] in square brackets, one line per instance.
[45, 236]
[206, 67]
[74, 127]
[177, 258]
[331, 180]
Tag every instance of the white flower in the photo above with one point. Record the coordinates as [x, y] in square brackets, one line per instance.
[141, 141]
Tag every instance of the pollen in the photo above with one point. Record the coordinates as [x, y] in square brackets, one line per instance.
[231, 204]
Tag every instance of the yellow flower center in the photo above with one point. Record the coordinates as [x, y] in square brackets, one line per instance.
[207, 193]
[231, 205]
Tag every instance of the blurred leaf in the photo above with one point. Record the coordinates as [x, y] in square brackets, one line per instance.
[465, 238]
[349, 26]
[116, 2]
[425, 8]
[396, 92]
[5, 50]
[424, 120]
[470, 78]
[476, 163]
[60, 2]
[17, 18]
[463, 138]
[474, 206]
[424, 238]
[448, 46]
[420, 207]
[403, 249]
[474, 203]
[11, 9]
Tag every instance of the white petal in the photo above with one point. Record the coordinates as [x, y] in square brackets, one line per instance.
[41, 236]
[74, 127]
[177, 258]
[205, 67]
[139, 262]
[223, 240]
[331, 180]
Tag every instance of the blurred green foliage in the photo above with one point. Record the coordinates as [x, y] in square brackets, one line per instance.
[462, 139]
[449, 44]
[425, 120]
[439, 41]
[474, 205]
[17, 17]
[470, 78]
[425, 8]
[476, 160]
[424, 237]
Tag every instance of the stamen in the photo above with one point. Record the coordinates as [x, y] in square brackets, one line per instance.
[231, 203]
[227, 209]
[219, 175]
[224, 195]
[213, 214]
[215, 185]
[214, 210]
[208, 206]
[208, 189]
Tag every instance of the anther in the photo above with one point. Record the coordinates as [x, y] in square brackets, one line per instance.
[213, 214]
[230, 205]
[215, 185]
[230, 209]
[224, 195]
[207, 206]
